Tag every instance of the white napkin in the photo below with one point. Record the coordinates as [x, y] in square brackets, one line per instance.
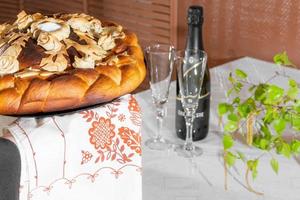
[92, 154]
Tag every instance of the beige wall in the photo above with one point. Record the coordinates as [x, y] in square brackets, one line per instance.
[236, 28]
[232, 28]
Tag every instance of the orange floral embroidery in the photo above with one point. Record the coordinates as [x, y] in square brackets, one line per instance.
[121, 117]
[86, 157]
[131, 138]
[101, 133]
[133, 105]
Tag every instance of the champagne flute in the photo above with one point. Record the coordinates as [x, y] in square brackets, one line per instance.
[190, 66]
[160, 61]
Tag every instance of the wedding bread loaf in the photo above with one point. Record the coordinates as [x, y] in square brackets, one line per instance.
[65, 61]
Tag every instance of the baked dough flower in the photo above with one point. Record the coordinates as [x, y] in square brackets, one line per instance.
[114, 31]
[23, 20]
[49, 42]
[55, 27]
[80, 23]
[84, 62]
[59, 64]
[106, 42]
[3, 27]
[8, 65]
[95, 25]
[13, 51]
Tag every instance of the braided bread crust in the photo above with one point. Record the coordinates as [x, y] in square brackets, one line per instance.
[75, 88]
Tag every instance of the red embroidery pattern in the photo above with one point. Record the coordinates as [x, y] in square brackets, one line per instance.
[92, 176]
[107, 141]
[131, 138]
[101, 133]
[32, 150]
[121, 118]
[86, 157]
[115, 153]
[65, 145]
[89, 115]
[133, 105]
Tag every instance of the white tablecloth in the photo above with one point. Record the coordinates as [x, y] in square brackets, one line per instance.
[169, 177]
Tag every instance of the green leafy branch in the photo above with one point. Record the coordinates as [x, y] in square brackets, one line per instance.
[261, 119]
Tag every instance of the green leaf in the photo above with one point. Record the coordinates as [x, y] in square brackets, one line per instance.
[223, 108]
[287, 117]
[227, 141]
[228, 93]
[238, 87]
[284, 149]
[274, 165]
[261, 92]
[293, 92]
[282, 59]
[279, 125]
[230, 159]
[254, 174]
[244, 109]
[252, 88]
[293, 83]
[296, 106]
[252, 164]
[296, 121]
[231, 79]
[233, 117]
[267, 133]
[293, 89]
[274, 94]
[236, 100]
[231, 126]
[263, 144]
[240, 73]
[241, 156]
[269, 116]
[295, 146]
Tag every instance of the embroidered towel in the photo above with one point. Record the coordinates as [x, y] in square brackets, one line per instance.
[92, 154]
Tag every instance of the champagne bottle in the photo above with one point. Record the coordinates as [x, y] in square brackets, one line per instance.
[194, 41]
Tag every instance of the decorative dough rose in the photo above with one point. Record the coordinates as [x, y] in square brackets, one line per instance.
[41, 26]
[2, 28]
[23, 20]
[49, 42]
[106, 42]
[80, 23]
[8, 65]
[96, 25]
[58, 65]
[13, 51]
[85, 62]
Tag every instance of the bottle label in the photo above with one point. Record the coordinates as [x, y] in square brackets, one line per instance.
[200, 97]
[197, 115]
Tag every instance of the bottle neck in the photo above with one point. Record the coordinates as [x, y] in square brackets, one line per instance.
[194, 39]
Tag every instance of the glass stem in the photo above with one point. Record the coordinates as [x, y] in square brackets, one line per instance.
[189, 119]
[160, 113]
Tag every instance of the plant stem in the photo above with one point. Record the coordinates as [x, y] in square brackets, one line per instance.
[225, 172]
[249, 187]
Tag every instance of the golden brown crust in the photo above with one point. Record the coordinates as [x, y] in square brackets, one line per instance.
[76, 88]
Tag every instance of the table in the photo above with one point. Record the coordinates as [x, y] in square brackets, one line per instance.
[169, 177]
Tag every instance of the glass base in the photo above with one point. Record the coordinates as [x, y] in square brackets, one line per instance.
[182, 151]
[158, 144]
